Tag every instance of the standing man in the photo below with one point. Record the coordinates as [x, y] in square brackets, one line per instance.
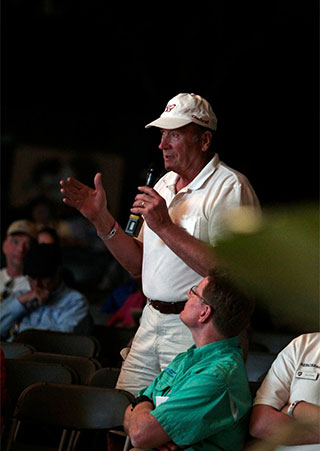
[183, 219]
[20, 236]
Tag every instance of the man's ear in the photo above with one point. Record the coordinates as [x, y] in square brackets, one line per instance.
[206, 139]
[4, 246]
[205, 313]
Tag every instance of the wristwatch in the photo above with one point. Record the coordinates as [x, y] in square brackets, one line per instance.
[292, 406]
[140, 399]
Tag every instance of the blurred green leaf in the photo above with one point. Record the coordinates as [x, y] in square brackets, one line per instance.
[279, 265]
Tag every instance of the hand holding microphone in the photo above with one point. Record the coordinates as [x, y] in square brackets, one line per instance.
[135, 219]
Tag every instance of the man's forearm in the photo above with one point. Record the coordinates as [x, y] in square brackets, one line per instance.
[270, 424]
[142, 427]
[126, 250]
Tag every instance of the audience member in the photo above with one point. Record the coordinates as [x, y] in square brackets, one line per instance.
[20, 236]
[289, 393]
[183, 220]
[201, 401]
[48, 235]
[49, 303]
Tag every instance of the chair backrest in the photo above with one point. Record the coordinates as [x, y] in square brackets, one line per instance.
[257, 364]
[23, 373]
[84, 367]
[273, 341]
[105, 377]
[70, 407]
[12, 350]
[60, 342]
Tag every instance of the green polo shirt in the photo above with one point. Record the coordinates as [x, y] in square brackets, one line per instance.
[208, 397]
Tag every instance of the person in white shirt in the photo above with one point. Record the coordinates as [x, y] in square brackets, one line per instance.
[289, 393]
[183, 216]
[21, 234]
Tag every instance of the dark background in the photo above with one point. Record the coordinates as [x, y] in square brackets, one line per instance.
[90, 75]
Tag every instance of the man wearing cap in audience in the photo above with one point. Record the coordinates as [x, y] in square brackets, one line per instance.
[20, 236]
[183, 219]
[48, 304]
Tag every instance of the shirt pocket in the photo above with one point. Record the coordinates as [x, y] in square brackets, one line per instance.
[196, 226]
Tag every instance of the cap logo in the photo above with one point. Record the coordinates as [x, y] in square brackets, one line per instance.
[169, 107]
[200, 119]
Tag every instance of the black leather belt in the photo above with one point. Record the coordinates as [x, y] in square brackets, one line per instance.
[168, 307]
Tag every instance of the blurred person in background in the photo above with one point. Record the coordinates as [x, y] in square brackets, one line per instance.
[49, 303]
[48, 235]
[20, 236]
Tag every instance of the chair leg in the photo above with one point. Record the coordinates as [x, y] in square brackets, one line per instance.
[127, 445]
[72, 438]
[63, 439]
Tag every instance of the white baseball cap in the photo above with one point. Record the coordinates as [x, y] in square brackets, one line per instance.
[184, 109]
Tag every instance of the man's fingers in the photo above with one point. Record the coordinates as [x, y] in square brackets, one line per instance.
[147, 190]
[98, 181]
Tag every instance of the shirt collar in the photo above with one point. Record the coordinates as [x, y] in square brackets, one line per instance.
[171, 178]
[215, 347]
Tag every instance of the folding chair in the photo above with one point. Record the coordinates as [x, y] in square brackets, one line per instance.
[60, 342]
[105, 377]
[11, 349]
[83, 367]
[71, 408]
[22, 373]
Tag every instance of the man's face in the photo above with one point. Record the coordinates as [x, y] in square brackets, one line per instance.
[181, 149]
[194, 304]
[15, 248]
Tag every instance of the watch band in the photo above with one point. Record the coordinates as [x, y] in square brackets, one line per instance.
[113, 231]
[292, 406]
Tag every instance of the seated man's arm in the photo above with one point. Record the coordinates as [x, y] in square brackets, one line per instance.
[144, 430]
[268, 423]
[73, 307]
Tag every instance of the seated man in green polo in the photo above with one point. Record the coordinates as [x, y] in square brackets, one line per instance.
[201, 401]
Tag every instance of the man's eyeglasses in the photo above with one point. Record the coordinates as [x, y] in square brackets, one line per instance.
[193, 291]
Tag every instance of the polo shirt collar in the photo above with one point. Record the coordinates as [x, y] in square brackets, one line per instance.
[216, 347]
[171, 178]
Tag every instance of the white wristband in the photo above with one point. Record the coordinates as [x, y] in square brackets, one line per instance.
[292, 406]
[110, 234]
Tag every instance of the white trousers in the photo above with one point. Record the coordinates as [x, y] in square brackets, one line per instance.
[159, 338]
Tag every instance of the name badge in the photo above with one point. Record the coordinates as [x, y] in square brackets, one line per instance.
[311, 375]
[161, 399]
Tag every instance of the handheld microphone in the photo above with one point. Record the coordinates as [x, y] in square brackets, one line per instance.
[135, 219]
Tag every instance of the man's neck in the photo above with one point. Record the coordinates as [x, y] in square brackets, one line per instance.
[202, 338]
[14, 271]
[187, 177]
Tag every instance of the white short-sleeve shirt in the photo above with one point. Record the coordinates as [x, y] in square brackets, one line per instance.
[198, 208]
[294, 375]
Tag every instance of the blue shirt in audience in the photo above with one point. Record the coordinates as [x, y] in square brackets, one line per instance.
[66, 310]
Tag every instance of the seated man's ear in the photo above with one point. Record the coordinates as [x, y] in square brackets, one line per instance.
[205, 313]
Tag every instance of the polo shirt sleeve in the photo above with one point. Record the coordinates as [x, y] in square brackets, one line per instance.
[197, 410]
[275, 388]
